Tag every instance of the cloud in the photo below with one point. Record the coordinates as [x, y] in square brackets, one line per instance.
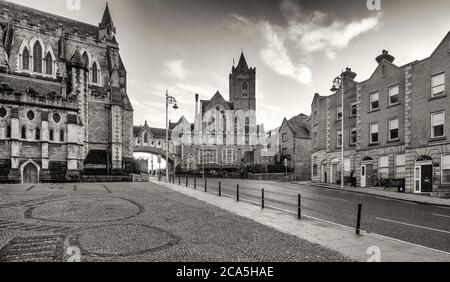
[319, 32]
[175, 69]
[306, 33]
[276, 55]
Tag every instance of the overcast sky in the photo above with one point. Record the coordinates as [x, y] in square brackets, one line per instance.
[297, 47]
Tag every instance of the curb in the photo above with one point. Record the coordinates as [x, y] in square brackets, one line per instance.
[382, 196]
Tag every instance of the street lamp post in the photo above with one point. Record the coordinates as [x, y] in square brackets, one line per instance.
[339, 82]
[169, 101]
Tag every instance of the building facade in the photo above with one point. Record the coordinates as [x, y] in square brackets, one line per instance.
[224, 134]
[64, 109]
[295, 146]
[397, 126]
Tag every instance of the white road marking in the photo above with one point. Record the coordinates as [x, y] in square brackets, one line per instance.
[441, 215]
[413, 225]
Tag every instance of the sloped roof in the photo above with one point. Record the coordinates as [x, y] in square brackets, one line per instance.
[299, 125]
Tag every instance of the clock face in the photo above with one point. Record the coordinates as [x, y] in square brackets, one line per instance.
[30, 115]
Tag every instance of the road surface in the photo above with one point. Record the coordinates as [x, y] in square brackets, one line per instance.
[425, 225]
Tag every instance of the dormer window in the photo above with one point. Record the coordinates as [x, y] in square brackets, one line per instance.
[383, 70]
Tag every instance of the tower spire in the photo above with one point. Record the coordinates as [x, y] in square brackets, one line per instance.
[242, 65]
[107, 21]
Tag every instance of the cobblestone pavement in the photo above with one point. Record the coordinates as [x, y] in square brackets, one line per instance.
[135, 222]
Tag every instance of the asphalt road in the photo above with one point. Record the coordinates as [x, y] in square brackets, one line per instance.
[424, 225]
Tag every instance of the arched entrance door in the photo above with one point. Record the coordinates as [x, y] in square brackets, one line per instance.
[423, 175]
[30, 174]
[366, 172]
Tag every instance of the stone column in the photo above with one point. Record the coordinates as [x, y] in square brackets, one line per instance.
[116, 137]
[14, 174]
[45, 173]
[73, 132]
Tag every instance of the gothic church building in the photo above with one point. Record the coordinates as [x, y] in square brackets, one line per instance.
[64, 109]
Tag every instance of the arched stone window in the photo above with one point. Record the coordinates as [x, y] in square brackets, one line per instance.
[95, 73]
[24, 133]
[37, 57]
[61, 135]
[51, 135]
[8, 131]
[145, 138]
[25, 59]
[49, 64]
[38, 134]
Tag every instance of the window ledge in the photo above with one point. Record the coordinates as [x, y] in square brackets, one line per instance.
[352, 145]
[437, 139]
[374, 144]
[351, 117]
[393, 105]
[374, 110]
[394, 140]
[437, 97]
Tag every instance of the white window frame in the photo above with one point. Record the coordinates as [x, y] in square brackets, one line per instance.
[373, 101]
[390, 129]
[391, 95]
[371, 132]
[339, 133]
[380, 159]
[433, 95]
[403, 164]
[339, 110]
[354, 129]
[353, 106]
[432, 125]
[443, 168]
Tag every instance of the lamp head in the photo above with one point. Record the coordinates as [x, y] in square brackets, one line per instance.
[175, 107]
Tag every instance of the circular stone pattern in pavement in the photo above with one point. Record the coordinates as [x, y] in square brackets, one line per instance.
[125, 240]
[85, 210]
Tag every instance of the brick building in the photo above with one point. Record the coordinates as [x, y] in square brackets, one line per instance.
[295, 146]
[396, 126]
[64, 109]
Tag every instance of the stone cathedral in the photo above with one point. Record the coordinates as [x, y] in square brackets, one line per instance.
[64, 109]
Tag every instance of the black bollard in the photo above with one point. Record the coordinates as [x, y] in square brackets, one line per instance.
[299, 206]
[206, 186]
[179, 181]
[220, 189]
[195, 182]
[237, 192]
[187, 181]
[358, 220]
[262, 199]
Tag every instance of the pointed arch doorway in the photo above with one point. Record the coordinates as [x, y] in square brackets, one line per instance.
[30, 172]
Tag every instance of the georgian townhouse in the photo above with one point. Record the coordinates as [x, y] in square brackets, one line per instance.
[402, 126]
[428, 122]
[327, 115]
[381, 131]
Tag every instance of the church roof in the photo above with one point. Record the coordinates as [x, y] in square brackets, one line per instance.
[37, 17]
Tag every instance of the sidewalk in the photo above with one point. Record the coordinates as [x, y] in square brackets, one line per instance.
[333, 236]
[379, 191]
